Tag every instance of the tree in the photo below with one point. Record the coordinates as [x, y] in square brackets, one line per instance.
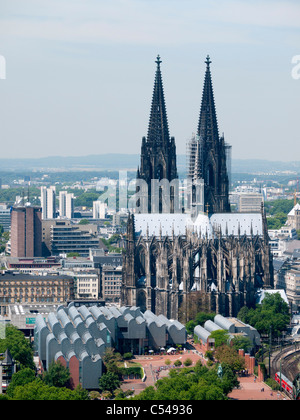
[121, 395]
[127, 356]
[38, 390]
[227, 354]
[111, 359]
[242, 343]
[18, 346]
[95, 395]
[273, 313]
[198, 383]
[221, 337]
[109, 382]
[57, 375]
[84, 222]
[86, 199]
[188, 362]
[21, 378]
[200, 319]
[190, 326]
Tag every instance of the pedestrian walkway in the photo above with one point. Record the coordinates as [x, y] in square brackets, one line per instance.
[252, 390]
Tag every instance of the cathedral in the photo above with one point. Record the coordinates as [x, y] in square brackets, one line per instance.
[195, 250]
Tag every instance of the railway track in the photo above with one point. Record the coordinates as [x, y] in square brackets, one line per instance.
[289, 362]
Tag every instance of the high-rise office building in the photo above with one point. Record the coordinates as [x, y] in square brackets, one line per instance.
[66, 204]
[26, 231]
[48, 202]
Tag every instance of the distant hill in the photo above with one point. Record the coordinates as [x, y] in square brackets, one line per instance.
[130, 162]
[257, 165]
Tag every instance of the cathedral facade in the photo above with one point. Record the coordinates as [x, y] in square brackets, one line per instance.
[203, 251]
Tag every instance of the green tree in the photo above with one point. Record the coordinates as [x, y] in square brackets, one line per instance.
[109, 382]
[84, 222]
[86, 199]
[202, 317]
[190, 326]
[20, 378]
[228, 355]
[241, 343]
[38, 390]
[198, 383]
[18, 346]
[127, 356]
[276, 207]
[112, 359]
[273, 313]
[221, 337]
[57, 375]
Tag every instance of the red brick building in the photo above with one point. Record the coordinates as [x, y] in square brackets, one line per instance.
[26, 231]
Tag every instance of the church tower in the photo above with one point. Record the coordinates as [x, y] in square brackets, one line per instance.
[176, 264]
[213, 155]
[158, 155]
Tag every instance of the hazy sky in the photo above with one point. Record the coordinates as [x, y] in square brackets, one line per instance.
[80, 74]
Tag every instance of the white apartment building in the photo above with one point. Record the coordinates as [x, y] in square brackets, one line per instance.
[66, 204]
[48, 202]
[88, 285]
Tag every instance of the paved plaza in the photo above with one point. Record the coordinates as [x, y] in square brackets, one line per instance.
[155, 368]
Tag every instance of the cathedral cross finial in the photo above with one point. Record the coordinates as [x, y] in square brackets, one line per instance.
[208, 61]
[158, 60]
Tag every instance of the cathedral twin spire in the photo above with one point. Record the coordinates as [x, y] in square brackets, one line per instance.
[158, 153]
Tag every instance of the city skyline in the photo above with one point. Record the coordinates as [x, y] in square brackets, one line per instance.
[79, 75]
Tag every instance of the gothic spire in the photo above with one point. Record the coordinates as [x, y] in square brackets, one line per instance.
[158, 131]
[208, 125]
